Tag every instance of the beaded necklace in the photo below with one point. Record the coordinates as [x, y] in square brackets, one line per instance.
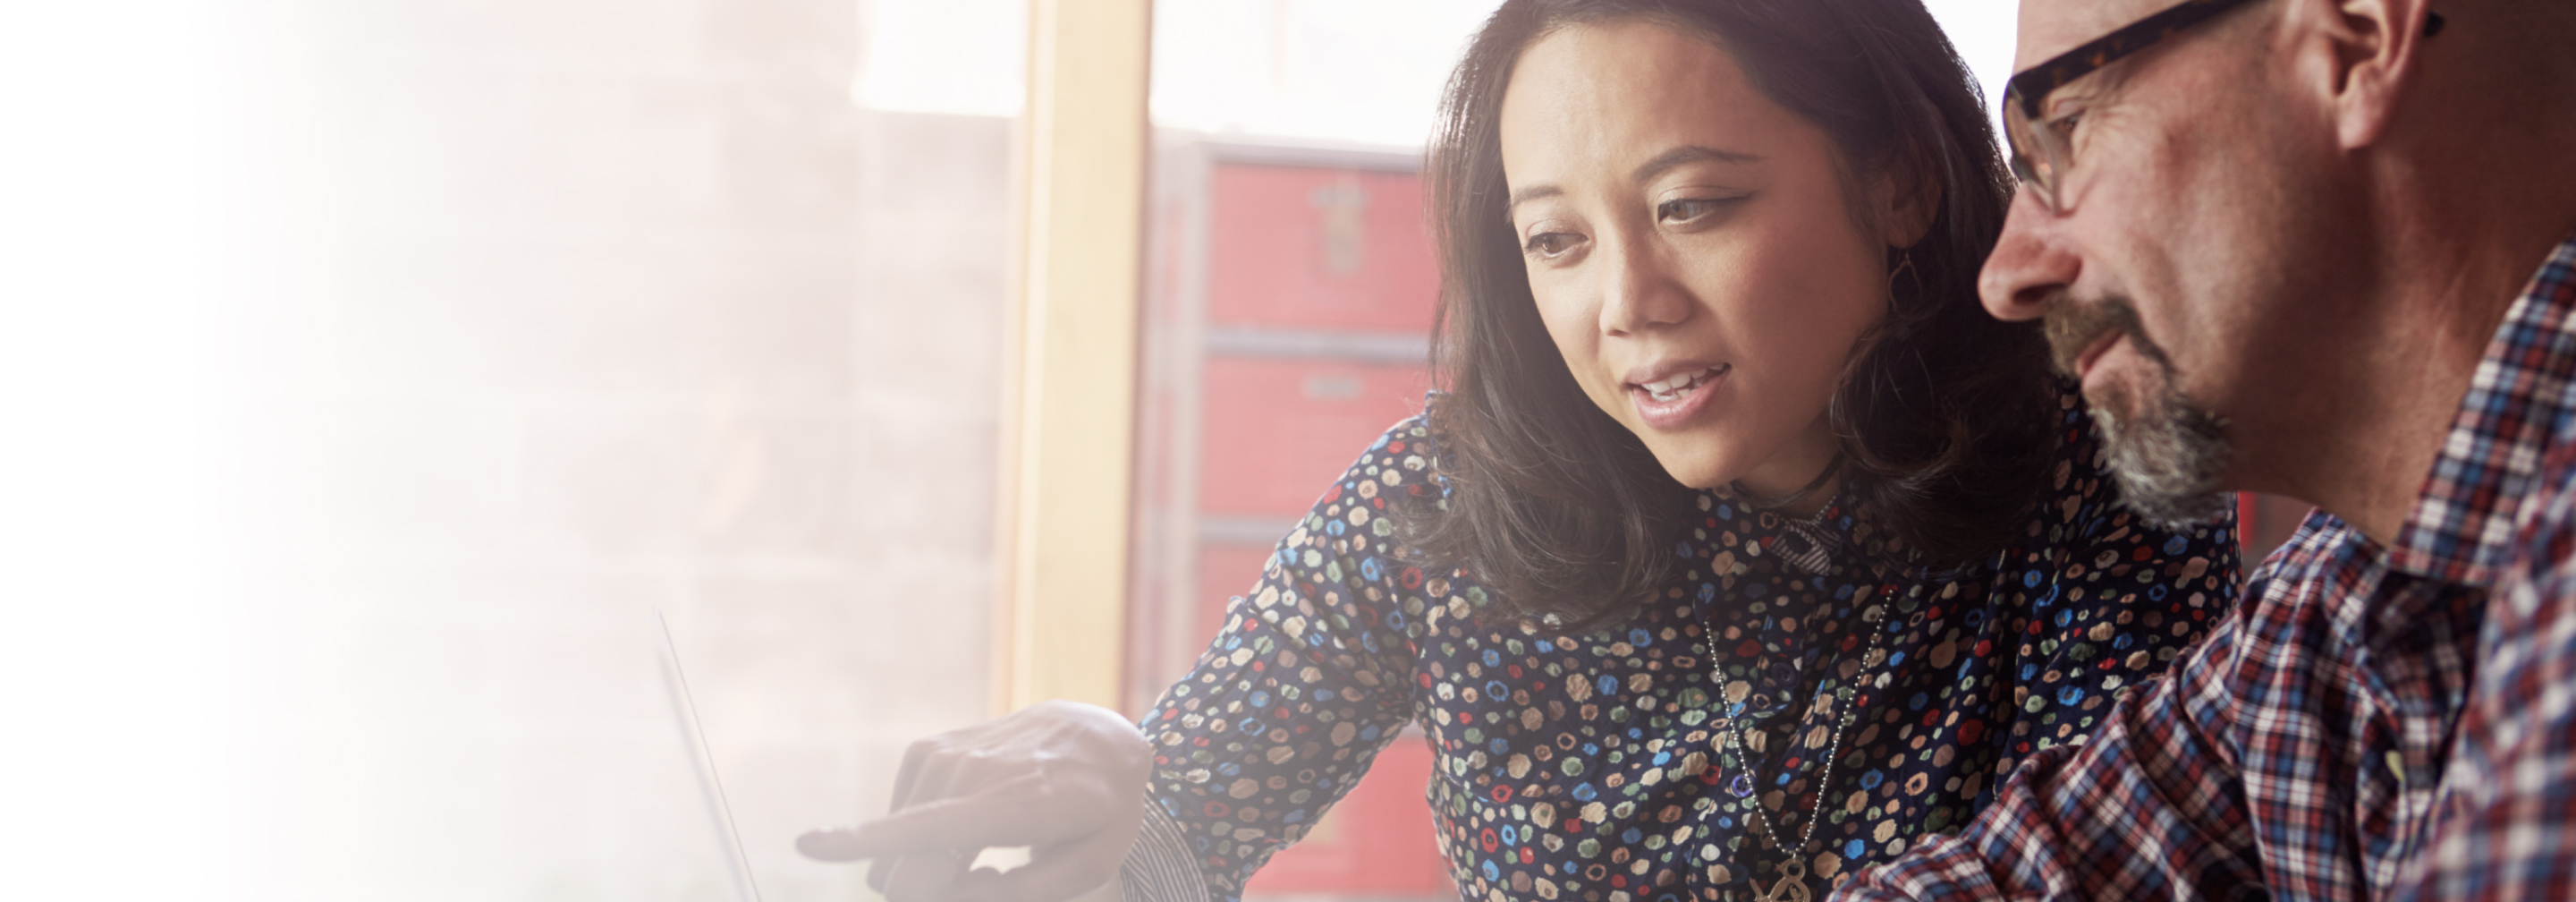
[1791, 883]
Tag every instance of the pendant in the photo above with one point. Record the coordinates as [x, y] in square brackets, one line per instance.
[1790, 886]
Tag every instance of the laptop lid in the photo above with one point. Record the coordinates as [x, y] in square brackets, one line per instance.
[719, 812]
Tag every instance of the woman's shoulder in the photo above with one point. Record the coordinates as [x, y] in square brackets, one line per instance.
[1410, 447]
[2083, 504]
[2080, 487]
[1394, 476]
[1412, 435]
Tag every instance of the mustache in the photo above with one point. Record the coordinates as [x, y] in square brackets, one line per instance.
[2072, 325]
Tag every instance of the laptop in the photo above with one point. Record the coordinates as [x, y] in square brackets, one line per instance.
[709, 785]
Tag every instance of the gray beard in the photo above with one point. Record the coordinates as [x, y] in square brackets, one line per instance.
[2168, 463]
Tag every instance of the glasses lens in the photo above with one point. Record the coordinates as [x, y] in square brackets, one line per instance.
[2034, 157]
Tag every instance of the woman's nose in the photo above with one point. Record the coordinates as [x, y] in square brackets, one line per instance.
[1640, 293]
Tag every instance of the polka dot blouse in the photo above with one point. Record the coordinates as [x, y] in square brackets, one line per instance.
[1799, 702]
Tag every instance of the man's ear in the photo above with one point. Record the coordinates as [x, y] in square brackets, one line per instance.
[2371, 49]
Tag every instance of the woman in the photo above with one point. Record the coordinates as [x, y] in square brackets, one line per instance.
[1742, 549]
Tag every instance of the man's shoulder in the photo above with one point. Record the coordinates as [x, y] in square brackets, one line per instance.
[2542, 561]
[2524, 643]
[2545, 526]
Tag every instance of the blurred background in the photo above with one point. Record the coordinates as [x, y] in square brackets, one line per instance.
[375, 368]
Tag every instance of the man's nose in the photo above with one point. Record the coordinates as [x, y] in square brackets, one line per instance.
[2031, 263]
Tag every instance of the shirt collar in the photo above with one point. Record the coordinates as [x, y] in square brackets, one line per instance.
[2462, 524]
[1811, 546]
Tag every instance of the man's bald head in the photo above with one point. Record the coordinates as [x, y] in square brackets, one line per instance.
[2050, 27]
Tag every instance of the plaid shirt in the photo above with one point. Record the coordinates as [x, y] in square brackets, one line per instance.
[2508, 828]
[2300, 750]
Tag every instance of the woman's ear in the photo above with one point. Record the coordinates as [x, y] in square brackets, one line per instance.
[1904, 198]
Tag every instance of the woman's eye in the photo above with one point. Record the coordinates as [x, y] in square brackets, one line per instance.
[1548, 244]
[1686, 210]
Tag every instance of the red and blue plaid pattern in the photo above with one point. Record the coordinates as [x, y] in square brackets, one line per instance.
[2300, 751]
[2508, 828]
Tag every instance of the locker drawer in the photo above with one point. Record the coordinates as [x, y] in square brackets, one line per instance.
[1317, 248]
[1276, 433]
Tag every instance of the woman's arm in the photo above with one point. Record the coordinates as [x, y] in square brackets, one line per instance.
[1300, 689]
[1309, 679]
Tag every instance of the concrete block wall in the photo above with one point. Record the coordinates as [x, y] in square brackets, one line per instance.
[604, 307]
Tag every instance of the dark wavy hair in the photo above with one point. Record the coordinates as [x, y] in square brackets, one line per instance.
[1944, 414]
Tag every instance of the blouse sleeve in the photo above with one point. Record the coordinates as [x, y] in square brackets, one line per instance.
[1309, 678]
[2116, 601]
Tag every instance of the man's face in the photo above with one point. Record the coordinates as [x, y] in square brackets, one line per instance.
[2162, 274]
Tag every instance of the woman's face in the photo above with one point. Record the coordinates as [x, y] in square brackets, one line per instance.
[1692, 249]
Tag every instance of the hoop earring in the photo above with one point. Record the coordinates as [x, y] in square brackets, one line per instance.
[1904, 265]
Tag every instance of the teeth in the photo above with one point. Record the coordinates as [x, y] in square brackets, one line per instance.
[1674, 381]
[1672, 387]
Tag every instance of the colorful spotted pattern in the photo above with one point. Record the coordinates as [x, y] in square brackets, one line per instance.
[1599, 767]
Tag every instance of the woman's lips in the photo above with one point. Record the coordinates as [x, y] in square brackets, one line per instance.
[1675, 400]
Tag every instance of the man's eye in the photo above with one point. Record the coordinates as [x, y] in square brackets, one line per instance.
[1548, 244]
[2065, 125]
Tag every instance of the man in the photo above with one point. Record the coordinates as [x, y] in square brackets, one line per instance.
[2320, 248]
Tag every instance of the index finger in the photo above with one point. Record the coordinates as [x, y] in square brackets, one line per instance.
[969, 823]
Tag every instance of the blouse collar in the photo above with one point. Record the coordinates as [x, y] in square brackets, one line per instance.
[1810, 545]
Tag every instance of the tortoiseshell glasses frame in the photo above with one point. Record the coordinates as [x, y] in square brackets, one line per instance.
[2041, 148]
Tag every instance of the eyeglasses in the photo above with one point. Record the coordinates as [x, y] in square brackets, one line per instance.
[2042, 149]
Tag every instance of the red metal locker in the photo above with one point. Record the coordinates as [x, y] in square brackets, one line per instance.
[1276, 432]
[1318, 247]
[1288, 316]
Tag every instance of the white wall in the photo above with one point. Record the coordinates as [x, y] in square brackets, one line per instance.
[384, 365]
[609, 307]
[1982, 30]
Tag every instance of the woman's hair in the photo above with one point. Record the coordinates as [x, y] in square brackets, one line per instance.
[1944, 414]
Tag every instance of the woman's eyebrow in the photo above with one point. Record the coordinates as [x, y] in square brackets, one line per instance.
[1691, 153]
[1688, 153]
[1531, 193]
